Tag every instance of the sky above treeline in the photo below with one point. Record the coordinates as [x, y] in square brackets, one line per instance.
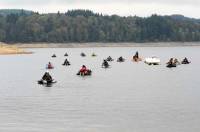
[143, 8]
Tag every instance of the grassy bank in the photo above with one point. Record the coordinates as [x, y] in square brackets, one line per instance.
[8, 49]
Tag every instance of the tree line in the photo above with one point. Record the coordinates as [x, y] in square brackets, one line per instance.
[86, 26]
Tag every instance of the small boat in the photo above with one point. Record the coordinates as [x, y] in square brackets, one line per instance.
[46, 83]
[152, 61]
[53, 56]
[87, 73]
[183, 62]
[66, 63]
[171, 65]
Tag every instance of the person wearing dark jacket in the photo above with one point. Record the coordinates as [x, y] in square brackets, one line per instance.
[120, 59]
[66, 62]
[105, 63]
[109, 58]
[170, 62]
[47, 77]
[136, 54]
[185, 61]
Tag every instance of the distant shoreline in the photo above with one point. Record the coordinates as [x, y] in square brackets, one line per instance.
[11, 49]
[19, 48]
[90, 45]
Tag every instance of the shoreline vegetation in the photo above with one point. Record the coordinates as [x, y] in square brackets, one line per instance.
[11, 49]
[19, 48]
[97, 44]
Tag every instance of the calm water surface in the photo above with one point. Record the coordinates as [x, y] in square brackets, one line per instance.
[128, 97]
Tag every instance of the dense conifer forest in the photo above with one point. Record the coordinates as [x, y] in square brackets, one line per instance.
[85, 26]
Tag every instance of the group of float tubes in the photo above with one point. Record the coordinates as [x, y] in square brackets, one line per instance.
[48, 80]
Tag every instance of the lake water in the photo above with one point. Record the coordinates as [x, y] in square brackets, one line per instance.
[128, 97]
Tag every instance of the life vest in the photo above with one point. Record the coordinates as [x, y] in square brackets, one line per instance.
[83, 69]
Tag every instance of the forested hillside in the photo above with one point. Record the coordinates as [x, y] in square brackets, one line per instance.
[6, 12]
[86, 26]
